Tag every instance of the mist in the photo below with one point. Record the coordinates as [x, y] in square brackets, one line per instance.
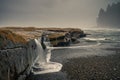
[51, 13]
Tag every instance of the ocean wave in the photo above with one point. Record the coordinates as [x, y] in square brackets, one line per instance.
[74, 47]
[95, 39]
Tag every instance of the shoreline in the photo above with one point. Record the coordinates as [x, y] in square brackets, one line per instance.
[86, 68]
[94, 67]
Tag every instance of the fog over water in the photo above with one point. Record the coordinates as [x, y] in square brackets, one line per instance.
[51, 13]
[101, 42]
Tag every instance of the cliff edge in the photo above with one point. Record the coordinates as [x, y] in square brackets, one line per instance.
[18, 48]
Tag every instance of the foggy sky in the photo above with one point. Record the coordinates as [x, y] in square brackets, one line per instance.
[51, 13]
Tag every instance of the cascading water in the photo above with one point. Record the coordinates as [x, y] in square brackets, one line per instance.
[43, 64]
[41, 58]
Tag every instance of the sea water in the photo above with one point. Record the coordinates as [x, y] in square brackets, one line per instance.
[97, 43]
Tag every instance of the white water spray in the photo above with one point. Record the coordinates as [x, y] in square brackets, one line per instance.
[41, 58]
[43, 64]
[76, 47]
[95, 39]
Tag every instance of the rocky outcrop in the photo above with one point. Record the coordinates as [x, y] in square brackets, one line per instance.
[15, 63]
[16, 57]
[18, 48]
[66, 37]
[110, 17]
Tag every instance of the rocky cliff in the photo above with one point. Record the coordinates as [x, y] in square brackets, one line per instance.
[18, 48]
[16, 56]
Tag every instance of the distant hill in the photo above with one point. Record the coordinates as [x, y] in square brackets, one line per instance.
[110, 17]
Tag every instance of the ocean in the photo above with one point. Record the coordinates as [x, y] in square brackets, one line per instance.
[99, 42]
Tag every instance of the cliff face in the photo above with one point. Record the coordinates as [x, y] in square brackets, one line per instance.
[110, 17]
[16, 56]
[18, 48]
[15, 63]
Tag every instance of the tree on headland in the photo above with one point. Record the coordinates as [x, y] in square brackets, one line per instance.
[110, 17]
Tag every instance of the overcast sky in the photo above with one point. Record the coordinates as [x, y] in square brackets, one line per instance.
[51, 13]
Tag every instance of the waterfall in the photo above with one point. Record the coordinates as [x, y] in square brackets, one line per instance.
[48, 51]
[41, 58]
[48, 55]
[43, 64]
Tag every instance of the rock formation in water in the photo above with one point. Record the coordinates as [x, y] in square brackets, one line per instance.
[63, 37]
[109, 17]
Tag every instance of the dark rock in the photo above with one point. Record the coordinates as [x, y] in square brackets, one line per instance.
[63, 44]
[71, 36]
[73, 39]
[15, 63]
